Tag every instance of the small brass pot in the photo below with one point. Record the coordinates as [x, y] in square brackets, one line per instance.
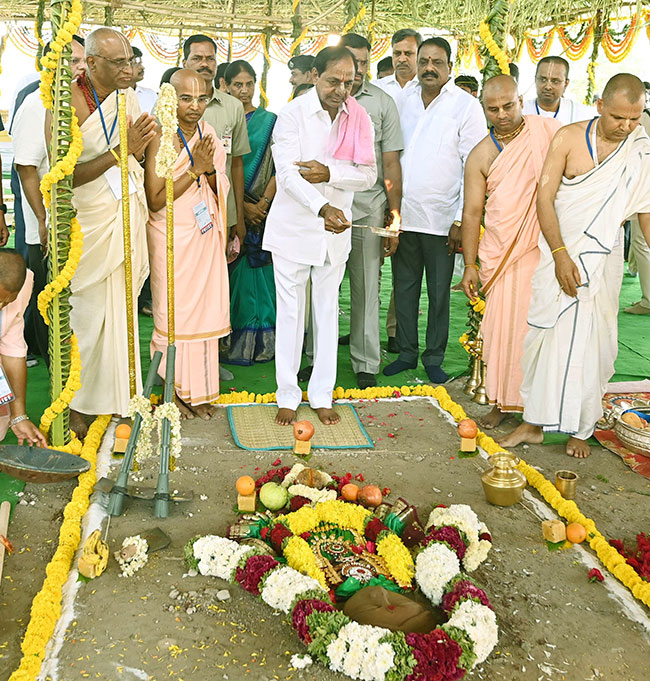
[503, 484]
[566, 482]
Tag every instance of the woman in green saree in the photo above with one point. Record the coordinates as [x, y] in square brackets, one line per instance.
[252, 288]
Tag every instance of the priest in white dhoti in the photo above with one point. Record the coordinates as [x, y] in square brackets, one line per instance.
[596, 175]
[323, 149]
[98, 287]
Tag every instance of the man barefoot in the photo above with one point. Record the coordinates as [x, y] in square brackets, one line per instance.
[595, 176]
[505, 166]
[308, 225]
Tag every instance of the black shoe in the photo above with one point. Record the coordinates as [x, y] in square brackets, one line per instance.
[305, 373]
[392, 345]
[436, 374]
[344, 340]
[366, 380]
[398, 366]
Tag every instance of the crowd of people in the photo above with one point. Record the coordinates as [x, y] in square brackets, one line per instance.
[270, 210]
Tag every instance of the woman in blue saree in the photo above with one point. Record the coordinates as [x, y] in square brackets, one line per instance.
[252, 288]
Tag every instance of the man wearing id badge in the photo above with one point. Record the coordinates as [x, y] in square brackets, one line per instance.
[98, 288]
[200, 270]
[15, 289]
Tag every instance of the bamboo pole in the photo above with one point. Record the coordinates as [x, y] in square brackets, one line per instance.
[126, 228]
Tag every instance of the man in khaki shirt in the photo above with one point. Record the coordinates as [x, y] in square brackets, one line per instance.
[226, 115]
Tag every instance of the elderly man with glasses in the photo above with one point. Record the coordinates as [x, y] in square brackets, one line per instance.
[98, 289]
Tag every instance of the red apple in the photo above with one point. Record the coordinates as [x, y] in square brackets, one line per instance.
[303, 430]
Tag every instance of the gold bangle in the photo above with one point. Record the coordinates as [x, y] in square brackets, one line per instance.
[115, 156]
[472, 264]
[561, 248]
[193, 175]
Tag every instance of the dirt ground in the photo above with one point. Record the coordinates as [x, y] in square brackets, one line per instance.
[164, 624]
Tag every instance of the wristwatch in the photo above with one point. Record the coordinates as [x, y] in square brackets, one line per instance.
[3, 208]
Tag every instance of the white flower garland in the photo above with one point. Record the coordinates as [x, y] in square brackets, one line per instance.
[284, 584]
[167, 115]
[480, 623]
[464, 519]
[357, 652]
[316, 496]
[435, 567]
[172, 413]
[295, 471]
[218, 556]
[132, 564]
[141, 405]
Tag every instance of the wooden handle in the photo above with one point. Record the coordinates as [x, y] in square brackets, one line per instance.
[5, 510]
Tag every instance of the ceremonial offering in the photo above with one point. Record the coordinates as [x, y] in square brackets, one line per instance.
[633, 430]
[576, 533]
[468, 430]
[303, 431]
[566, 482]
[246, 494]
[554, 530]
[503, 484]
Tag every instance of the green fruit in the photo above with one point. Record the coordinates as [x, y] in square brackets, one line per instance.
[273, 496]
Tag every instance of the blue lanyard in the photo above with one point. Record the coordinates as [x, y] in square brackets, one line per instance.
[101, 116]
[557, 111]
[592, 149]
[494, 139]
[187, 149]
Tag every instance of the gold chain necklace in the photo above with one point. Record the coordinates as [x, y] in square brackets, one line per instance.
[509, 135]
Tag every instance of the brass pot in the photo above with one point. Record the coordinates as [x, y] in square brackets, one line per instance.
[503, 484]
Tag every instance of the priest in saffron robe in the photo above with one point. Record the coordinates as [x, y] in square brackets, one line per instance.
[202, 309]
[506, 165]
[98, 298]
[596, 175]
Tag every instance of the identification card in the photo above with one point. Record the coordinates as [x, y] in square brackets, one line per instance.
[203, 218]
[226, 140]
[113, 177]
[6, 393]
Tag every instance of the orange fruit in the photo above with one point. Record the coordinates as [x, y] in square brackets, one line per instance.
[123, 431]
[576, 533]
[467, 428]
[350, 492]
[245, 485]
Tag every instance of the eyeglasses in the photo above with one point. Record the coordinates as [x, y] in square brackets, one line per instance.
[119, 64]
[188, 99]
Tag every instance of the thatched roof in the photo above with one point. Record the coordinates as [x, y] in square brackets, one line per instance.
[459, 17]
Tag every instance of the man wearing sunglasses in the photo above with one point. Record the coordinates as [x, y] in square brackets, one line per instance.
[98, 288]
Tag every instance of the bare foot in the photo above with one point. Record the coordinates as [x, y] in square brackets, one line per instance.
[578, 448]
[327, 416]
[204, 411]
[78, 424]
[493, 419]
[186, 413]
[285, 417]
[524, 433]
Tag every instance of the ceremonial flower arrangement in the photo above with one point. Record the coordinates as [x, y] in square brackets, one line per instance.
[139, 404]
[133, 555]
[169, 411]
[166, 114]
[363, 651]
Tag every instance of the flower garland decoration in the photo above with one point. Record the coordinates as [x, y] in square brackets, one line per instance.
[534, 52]
[139, 404]
[617, 50]
[638, 559]
[364, 651]
[46, 606]
[576, 49]
[490, 43]
[132, 556]
[169, 411]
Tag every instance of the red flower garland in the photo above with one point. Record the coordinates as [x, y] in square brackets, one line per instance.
[639, 559]
[437, 657]
[300, 613]
[451, 536]
[373, 529]
[279, 533]
[464, 589]
[256, 567]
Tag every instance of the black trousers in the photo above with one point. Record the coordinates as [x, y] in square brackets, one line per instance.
[416, 255]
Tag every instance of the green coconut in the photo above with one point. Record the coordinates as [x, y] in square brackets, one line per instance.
[273, 496]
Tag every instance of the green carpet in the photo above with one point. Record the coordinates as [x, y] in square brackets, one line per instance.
[633, 362]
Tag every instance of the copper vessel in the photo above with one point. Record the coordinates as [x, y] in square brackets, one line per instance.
[503, 484]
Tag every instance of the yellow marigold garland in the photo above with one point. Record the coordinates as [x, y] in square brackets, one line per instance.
[397, 558]
[301, 558]
[46, 606]
[492, 47]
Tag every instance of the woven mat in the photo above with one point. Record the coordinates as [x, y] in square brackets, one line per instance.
[253, 426]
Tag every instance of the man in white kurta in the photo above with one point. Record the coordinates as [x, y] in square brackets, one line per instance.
[551, 82]
[308, 226]
[596, 175]
[404, 44]
[441, 124]
[98, 287]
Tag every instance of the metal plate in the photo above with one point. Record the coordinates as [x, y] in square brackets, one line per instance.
[33, 464]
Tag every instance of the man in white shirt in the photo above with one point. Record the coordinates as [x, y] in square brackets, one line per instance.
[551, 81]
[405, 44]
[441, 124]
[146, 96]
[308, 225]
